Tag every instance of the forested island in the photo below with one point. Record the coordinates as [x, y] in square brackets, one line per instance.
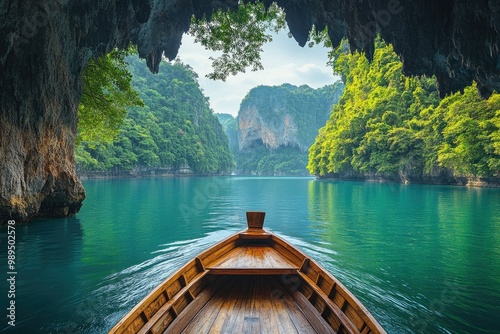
[387, 126]
[174, 132]
[276, 125]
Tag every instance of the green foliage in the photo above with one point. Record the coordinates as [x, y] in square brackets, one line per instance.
[470, 134]
[317, 37]
[388, 124]
[174, 129]
[262, 161]
[239, 35]
[107, 92]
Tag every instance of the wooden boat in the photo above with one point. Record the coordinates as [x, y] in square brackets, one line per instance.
[251, 282]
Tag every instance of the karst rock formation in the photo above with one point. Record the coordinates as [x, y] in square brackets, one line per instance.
[45, 44]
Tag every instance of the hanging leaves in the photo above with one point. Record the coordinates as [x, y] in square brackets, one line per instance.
[239, 35]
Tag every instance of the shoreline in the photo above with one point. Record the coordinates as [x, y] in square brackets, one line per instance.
[141, 173]
[458, 181]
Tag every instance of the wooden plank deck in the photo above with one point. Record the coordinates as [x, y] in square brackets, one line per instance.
[252, 259]
[251, 304]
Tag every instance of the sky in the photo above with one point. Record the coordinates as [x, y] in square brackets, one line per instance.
[284, 62]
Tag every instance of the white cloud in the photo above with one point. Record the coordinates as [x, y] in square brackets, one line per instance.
[226, 104]
[284, 62]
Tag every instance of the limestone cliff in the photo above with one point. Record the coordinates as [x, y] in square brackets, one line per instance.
[256, 129]
[174, 133]
[277, 125]
[284, 116]
[44, 45]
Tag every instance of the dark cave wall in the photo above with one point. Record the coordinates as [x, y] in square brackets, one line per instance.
[39, 96]
[456, 40]
[43, 50]
[45, 44]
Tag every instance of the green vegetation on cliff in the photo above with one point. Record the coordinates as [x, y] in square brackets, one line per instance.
[263, 161]
[390, 125]
[175, 129]
[276, 126]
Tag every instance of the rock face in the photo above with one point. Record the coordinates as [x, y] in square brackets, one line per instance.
[44, 45]
[40, 90]
[277, 125]
[284, 116]
[255, 129]
[456, 40]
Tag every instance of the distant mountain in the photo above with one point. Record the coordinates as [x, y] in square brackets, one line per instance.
[230, 126]
[276, 126]
[175, 132]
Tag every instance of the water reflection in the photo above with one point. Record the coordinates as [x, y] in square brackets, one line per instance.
[424, 244]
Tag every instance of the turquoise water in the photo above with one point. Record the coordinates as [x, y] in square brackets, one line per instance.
[423, 259]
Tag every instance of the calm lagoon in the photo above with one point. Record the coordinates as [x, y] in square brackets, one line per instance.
[423, 259]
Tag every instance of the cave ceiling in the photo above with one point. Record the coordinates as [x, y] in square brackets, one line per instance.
[455, 40]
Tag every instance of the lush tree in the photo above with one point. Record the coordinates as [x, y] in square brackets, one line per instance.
[470, 135]
[107, 92]
[370, 130]
[238, 34]
[263, 161]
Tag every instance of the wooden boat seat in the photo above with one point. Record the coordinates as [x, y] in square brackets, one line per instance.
[252, 259]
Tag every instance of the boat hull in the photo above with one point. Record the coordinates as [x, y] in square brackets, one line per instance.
[251, 282]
